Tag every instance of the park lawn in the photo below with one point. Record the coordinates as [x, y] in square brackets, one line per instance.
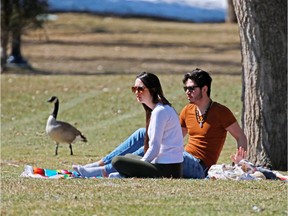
[90, 63]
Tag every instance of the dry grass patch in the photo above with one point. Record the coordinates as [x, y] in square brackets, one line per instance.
[90, 44]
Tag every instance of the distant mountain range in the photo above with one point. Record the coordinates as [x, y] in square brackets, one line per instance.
[182, 10]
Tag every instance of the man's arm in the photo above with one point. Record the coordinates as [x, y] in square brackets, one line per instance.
[236, 131]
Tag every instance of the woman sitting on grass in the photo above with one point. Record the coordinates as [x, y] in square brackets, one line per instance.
[163, 145]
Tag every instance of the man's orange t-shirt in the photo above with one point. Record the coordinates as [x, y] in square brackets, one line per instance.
[206, 143]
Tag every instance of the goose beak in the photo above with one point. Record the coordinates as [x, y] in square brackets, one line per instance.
[52, 99]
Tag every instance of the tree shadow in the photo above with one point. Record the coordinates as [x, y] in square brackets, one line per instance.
[215, 49]
[40, 72]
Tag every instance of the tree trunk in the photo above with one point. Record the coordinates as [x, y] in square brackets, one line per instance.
[16, 43]
[263, 35]
[16, 30]
[6, 12]
[4, 47]
[231, 16]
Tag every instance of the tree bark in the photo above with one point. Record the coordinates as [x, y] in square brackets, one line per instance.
[263, 36]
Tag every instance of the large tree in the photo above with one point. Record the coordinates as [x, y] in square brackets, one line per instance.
[263, 36]
[16, 17]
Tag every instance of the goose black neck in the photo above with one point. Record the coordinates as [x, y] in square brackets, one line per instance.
[56, 107]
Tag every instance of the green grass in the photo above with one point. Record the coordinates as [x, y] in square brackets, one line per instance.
[99, 102]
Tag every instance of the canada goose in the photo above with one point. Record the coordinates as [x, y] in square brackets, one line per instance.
[59, 131]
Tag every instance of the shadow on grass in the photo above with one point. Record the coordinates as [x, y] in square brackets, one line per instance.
[141, 60]
[139, 44]
[37, 72]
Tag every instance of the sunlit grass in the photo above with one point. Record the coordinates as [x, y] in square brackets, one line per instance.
[90, 63]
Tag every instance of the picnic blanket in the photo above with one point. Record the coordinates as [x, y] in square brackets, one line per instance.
[244, 170]
[37, 172]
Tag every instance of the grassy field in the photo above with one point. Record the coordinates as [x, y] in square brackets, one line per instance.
[90, 63]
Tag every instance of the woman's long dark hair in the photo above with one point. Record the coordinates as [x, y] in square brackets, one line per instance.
[152, 83]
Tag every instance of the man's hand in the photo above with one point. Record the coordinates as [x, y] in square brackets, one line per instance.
[239, 155]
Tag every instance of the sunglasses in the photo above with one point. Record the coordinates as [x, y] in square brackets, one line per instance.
[190, 88]
[140, 89]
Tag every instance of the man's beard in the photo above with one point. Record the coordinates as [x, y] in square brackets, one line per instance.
[197, 98]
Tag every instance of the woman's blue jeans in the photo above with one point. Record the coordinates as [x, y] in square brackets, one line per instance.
[134, 145]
